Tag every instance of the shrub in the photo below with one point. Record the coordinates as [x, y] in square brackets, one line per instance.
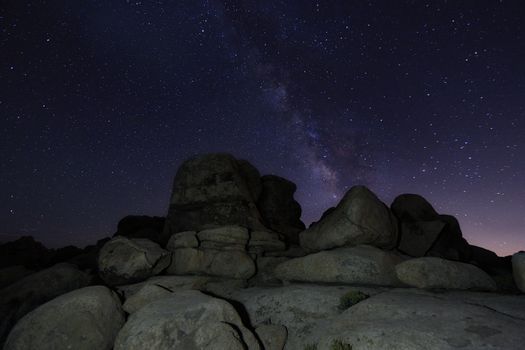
[310, 347]
[340, 345]
[351, 298]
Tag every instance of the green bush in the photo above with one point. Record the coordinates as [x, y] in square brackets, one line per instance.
[310, 347]
[351, 298]
[339, 345]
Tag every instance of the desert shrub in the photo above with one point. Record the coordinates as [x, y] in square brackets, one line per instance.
[351, 298]
[340, 345]
[310, 347]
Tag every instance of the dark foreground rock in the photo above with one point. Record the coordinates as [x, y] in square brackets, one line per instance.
[23, 296]
[84, 319]
[279, 209]
[424, 232]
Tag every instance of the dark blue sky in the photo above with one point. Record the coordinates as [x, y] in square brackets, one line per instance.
[101, 101]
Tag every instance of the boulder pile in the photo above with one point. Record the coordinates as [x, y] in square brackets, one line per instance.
[233, 267]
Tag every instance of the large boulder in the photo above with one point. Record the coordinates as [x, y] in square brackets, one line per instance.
[429, 272]
[412, 208]
[365, 265]
[124, 260]
[417, 237]
[424, 232]
[21, 297]
[409, 320]
[142, 226]
[360, 218]
[212, 262]
[84, 319]
[280, 211]
[213, 190]
[450, 244]
[518, 270]
[187, 320]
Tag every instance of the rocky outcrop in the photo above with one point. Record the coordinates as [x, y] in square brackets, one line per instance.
[85, 319]
[360, 218]
[187, 320]
[429, 272]
[213, 190]
[225, 251]
[229, 248]
[387, 319]
[518, 269]
[413, 208]
[124, 260]
[406, 320]
[362, 265]
[424, 232]
[279, 209]
[23, 296]
[142, 226]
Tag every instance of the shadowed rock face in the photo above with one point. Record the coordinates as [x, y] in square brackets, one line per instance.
[23, 296]
[424, 232]
[84, 319]
[279, 209]
[214, 190]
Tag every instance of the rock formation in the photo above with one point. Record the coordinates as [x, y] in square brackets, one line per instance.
[360, 218]
[234, 268]
[278, 207]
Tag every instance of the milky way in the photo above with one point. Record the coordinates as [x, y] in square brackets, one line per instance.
[101, 101]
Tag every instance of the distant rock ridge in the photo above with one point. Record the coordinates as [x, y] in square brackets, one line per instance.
[233, 267]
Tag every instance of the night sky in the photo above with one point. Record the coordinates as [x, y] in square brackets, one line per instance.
[101, 101]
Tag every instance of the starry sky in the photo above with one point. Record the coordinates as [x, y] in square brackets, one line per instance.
[101, 101]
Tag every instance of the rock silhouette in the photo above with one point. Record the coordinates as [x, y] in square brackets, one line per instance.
[233, 267]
